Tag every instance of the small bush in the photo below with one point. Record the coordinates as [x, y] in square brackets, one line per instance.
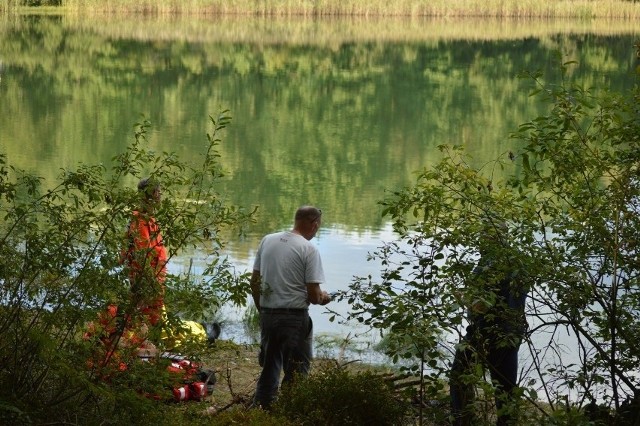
[253, 417]
[335, 396]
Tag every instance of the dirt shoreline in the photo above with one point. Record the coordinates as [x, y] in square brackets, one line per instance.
[237, 371]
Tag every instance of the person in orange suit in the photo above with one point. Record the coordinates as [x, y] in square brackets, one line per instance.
[146, 256]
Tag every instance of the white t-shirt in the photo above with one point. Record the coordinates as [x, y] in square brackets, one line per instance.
[287, 263]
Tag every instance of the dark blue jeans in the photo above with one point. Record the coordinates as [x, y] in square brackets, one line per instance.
[286, 344]
[502, 362]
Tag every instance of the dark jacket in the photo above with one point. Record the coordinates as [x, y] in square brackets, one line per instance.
[503, 321]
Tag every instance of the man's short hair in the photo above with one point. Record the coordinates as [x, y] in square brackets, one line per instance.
[309, 213]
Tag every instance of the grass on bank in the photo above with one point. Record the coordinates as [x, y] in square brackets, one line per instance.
[336, 393]
[583, 9]
[332, 388]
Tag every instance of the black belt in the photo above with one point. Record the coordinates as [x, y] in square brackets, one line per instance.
[284, 310]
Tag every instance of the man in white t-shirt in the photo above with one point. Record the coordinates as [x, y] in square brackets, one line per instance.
[287, 273]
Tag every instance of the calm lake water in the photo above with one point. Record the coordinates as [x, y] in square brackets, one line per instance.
[331, 113]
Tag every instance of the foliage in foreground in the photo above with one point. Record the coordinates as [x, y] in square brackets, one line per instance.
[571, 208]
[60, 247]
[334, 396]
[250, 418]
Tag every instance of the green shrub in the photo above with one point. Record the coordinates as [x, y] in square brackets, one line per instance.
[335, 396]
[253, 417]
[60, 248]
[571, 205]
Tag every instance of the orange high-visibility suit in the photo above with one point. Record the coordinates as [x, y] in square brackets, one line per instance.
[146, 259]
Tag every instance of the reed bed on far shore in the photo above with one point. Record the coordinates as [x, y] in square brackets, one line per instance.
[583, 9]
[334, 31]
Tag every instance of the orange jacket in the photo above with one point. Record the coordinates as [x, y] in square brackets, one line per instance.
[144, 236]
[146, 254]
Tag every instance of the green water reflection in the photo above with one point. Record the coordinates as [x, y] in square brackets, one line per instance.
[332, 123]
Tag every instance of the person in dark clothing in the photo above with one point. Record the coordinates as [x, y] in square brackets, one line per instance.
[496, 328]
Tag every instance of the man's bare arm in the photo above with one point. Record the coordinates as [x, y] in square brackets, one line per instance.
[317, 296]
[255, 288]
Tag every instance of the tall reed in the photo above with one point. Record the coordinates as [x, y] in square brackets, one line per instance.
[620, 9]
